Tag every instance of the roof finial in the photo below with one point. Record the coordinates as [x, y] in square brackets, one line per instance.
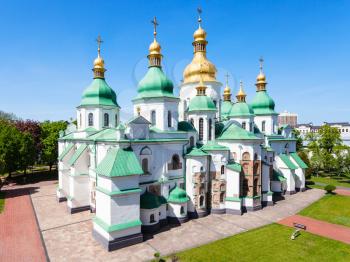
[227, 76]
[199, 10]
[241, 95]
[99, 42]
[155, 24]
[261, 60]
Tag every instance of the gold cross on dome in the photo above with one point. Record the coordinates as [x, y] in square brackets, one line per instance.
[199, 10]
[261, 60]
[99, 42]
[227, 76]
[155, 24]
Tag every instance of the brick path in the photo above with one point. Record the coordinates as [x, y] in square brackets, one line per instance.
[321, 228]
[19, 233]
[344, 192]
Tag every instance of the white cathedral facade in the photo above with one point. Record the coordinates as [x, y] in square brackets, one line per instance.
[178, 158]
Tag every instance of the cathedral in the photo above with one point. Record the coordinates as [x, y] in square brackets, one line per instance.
[179, 157]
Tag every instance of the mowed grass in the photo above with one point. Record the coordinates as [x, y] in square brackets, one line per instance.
[331, 208]
[270, 243]
[2, 201]
[337, 181]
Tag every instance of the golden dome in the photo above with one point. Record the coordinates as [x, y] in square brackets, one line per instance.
[227, 90]
[154, 48]
[199, 34]
[99, 62]
[261, 77]
[199, 67]
[241, 95]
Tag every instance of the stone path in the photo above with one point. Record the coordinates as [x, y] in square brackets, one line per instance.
[68, 237]
[344, 192]
[20, 238]
[321, 228]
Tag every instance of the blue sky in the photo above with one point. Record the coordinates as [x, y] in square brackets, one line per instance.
[47, 49]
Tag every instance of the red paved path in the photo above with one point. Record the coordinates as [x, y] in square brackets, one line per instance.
[321, 228]
[344, 192]
[20, 238]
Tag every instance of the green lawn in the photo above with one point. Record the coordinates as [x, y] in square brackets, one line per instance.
[337, 181]
[270, 243]
[2, 201]
[331, 208]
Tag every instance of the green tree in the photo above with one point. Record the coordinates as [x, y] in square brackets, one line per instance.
[49, 138]
[27, 151]
[329, 137]
[299, 142]
[10, 145]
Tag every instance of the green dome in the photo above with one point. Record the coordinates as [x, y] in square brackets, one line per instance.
[149, 201]
[263, 104]
[99, 93]
[226, 108]
[155, 84]
[241, 109]
[201, 103]
[178, 195]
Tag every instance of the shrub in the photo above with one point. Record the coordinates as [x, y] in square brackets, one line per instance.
[329, 188]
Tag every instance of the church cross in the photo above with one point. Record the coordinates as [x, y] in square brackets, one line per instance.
[99, 42]
[155, 24]
[261, 60]
[199, 10]
[227, 76]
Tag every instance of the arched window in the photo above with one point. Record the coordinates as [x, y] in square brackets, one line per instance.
[246, 168]
[246, 156]
[222, 169]
[245, 187]
[214, 101]
[192, 122]
[153, 118]
[255, 156]
[175, 162]
[116, 120]
[255, 187]
[91, 119]
[80, 120]
[243, 125]
[263, 123]
[251, 127]
[106, 119]
[209, 127]
[201, 129]
[145, 151]
[145, 166]
[182, 210]
[222, 197]
[191, 141]
[256, 169]
[169, 119]
[151, 218]
[201, 201]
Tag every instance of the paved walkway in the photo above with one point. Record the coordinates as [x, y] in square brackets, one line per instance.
[321, 228]
[20, 238]
[68, 237]
[344, 192]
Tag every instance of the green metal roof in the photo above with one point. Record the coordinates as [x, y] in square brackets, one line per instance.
[119, 162]
[241, 109]
[213, 146]
[155, 84]
[263, 104]
[65, 151]
[235, 132]
[150, 201]
[77, 154]
[226, 107]
[234, 166]
[277, 176]
[99, 93]
[286, 160]
[299, 161]
[120, 127]
[185, 126]
[201, 103]
[196, 152]
[178, 195]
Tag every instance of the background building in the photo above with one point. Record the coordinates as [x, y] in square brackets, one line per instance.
[287, 118]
